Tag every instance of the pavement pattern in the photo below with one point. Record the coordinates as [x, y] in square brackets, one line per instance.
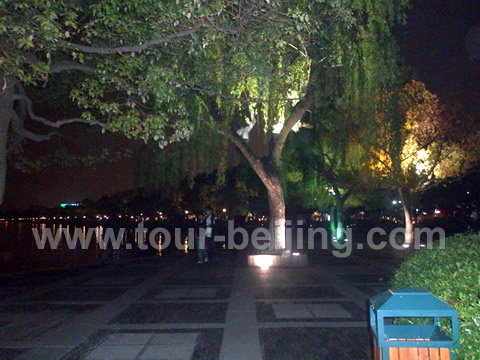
[170, 308]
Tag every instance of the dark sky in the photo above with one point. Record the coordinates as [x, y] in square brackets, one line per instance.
[54, 185]
[433, 44]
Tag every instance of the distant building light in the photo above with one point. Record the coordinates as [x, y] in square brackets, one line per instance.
[437, 211]
[72, 204]
[394, 202]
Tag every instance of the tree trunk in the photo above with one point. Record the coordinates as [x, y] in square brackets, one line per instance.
[333, 222]
[269, 173]
[276, 202]
[407, 204]
[338, 219]
[6, 106]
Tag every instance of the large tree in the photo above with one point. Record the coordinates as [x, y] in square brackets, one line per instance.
[162, 70]
[419, 142]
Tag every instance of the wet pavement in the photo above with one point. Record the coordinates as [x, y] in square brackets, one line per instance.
[171, 308]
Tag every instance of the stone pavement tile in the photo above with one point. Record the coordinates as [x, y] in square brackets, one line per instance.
[366, 278]
[168, 352]
[298, 292]
[20, 308]
[6, 293]
[208, 345]
[46, 353]
[115, 352]
[173, 294]
[370, 290]
[292, 311]
[329, 311]
[26, 281]
[173, 313]
[32, 325]
[290, 276]
[9, 354]
[174, 338]
[188, 293]
[127, 339]
[113, 281]
[242, 352]
[204, 293]
[295, 343]
[76, 294]
[201, 279]
[319, 311]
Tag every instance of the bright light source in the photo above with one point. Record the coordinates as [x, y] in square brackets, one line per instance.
[422, 245]
[263, 261]
[437, 211]
[186, 211]
[277, 128]
[394, 202]
[406, 245]
[295, 254]
[224, 210]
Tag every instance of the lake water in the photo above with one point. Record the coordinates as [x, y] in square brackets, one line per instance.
[19, 250]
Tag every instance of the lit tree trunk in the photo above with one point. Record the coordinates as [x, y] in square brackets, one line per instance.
[333, 222]
[276, 202]
[407, 204]
[338, 218]
[337, 214]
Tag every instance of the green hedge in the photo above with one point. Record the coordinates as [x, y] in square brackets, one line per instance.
[452, 274]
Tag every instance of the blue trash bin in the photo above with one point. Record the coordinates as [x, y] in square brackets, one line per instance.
[411, 342]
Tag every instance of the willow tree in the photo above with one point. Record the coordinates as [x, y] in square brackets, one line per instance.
[419, 142]
[161, 70]
[336, 163]
[342, 121]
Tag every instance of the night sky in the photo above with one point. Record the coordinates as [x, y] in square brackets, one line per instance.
[433, 44]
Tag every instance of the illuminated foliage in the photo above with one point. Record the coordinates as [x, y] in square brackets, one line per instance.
[419, 140]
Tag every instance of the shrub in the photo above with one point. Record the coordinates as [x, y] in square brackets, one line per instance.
[453, 275]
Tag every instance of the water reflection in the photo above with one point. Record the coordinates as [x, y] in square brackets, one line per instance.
[19, 250]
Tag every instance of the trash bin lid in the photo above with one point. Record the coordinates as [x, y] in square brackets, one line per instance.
[405, 300]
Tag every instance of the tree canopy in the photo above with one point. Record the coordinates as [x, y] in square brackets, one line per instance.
[165, 71]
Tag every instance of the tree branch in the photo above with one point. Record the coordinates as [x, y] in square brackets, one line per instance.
[17, 127]
[297, 113]
[253, 160]
[134, 48]
[53, 124]
[70, 65]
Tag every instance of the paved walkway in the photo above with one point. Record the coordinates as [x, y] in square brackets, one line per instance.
[171, 308]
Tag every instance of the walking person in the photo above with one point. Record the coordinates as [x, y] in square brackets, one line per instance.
[209, 226]
[200, 240]
[111, 250]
